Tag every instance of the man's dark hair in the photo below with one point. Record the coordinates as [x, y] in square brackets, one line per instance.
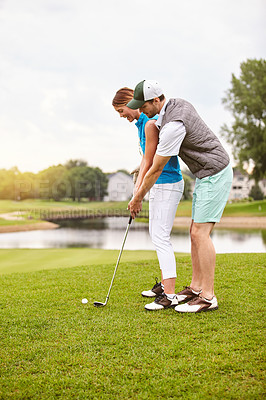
[161, 98]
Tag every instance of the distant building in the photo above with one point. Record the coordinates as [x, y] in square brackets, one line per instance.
[262, 185]
[120, 187]
[242, 185]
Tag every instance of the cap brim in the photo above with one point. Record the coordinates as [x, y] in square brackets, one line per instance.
[135, 104]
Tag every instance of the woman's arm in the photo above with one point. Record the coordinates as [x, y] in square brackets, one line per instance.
[159, 162]
[138, 184]
[152, 139]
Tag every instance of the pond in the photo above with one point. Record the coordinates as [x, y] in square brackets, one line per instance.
[108, 233]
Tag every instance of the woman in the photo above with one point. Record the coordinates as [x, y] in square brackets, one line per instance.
[163, 199]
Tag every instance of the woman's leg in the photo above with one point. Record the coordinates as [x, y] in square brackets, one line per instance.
[164, 199]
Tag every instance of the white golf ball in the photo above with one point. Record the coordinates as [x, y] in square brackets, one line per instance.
[84, 301]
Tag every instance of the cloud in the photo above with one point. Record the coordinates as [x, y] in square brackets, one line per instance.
[62, 62]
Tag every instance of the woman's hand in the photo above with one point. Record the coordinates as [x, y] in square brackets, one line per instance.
[135, 206]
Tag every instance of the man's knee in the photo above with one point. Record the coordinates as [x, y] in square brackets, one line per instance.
[199, 232]
[194, 234]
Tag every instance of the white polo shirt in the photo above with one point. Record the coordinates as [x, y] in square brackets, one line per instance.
[171, 136]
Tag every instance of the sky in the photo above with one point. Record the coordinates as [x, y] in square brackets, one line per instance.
[62, 62]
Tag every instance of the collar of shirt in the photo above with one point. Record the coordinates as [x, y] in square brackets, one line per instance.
[158, 123]
[141, 119]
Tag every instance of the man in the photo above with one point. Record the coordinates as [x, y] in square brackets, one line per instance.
[163, 199]
[182, 132]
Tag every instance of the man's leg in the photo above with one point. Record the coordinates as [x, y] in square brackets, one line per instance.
[209, 199]
[203, 258]
[196, 273]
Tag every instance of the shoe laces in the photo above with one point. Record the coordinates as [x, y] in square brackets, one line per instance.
[157, 283]
[204, 298]
[194, 291]
[199, 297]
[159, 298]
[193, 300]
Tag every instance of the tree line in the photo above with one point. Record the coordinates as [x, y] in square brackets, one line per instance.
[246, 100]
[74, 180]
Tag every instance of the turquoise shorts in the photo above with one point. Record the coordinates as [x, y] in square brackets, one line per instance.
[210, 196]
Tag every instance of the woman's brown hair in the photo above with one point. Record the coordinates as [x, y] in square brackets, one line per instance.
[122, 97]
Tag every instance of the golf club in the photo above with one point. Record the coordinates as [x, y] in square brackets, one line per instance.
[98, 303]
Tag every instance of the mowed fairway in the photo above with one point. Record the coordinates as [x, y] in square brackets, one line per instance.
[54, 347]
[26, 260]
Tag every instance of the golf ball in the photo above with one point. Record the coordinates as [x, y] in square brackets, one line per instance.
[84, 301]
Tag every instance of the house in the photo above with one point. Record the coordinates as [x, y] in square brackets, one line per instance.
[262, 185]
[242, 185]
[120, 187]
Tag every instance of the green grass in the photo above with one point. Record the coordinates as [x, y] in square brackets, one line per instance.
[246, 209]
[27, 260]
[37, 204]
[54, 347]
[33, 207]
[4, 222]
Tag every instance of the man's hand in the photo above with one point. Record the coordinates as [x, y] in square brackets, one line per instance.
[135, 206]
[149, 180]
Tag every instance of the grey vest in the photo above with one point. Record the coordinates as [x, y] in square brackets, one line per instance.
[201, 150]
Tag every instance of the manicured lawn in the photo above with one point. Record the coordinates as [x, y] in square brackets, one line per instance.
[252, 209]
[26, 260]
[54, 347]
[36, 204]
[4, 222]
[33, 207]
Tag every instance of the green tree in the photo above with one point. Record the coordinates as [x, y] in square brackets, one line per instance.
[87, 182]
[187, 187]
[246, 99]
[75, 163]
[25, 186]
[16, 185]
[124, 171]
[7, 183]
[256, 193]
[101, 183]
[53, 183]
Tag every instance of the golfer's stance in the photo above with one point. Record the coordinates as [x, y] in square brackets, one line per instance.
[163, 200]
[182, 132]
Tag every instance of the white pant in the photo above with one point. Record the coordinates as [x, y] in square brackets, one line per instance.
[163, 202]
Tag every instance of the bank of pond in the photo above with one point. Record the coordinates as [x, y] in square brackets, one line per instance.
[107, 233]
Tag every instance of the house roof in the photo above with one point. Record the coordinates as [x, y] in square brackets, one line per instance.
[237, 172]
[121, 175]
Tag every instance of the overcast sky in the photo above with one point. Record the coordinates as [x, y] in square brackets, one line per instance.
[63, 60]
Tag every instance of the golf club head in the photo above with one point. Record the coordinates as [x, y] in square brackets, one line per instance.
[99, 304]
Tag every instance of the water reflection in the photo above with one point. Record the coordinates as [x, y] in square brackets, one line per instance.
[108, 233]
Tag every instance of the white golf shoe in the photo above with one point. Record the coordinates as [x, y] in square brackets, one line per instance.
[156, 290]
[198, 304]
[187, 294]
[161, 302]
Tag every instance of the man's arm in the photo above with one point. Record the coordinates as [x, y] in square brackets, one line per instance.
[149, 180]
[171, 138]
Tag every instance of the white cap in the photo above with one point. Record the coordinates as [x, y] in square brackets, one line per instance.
[144, 91]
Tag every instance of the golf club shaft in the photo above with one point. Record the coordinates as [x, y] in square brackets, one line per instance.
[128, 225]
